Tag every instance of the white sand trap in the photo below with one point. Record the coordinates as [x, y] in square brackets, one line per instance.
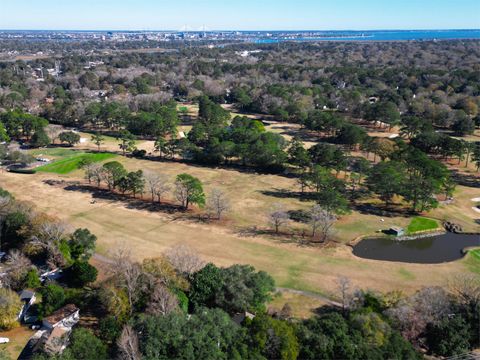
[476, 199]
[476, 209]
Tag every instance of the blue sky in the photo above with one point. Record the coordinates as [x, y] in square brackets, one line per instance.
[239, 14]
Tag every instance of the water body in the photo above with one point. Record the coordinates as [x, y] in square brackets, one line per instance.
[385, 35]
[434, 250]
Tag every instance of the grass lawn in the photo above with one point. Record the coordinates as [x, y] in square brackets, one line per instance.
[71, 163]
[472, 261]
[421, 224]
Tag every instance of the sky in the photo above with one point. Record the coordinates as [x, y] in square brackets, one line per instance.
[239, 14]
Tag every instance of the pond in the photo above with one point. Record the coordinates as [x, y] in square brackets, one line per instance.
[433, 250]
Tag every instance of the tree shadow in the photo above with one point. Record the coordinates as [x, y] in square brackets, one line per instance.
[468, 180]
[381, 210]
[288, 194]
[127, 201]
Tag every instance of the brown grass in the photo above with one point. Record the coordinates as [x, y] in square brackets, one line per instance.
[18, 339]
[294, 266]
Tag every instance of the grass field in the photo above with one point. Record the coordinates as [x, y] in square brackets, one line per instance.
[292, 265]
[71, 163]
[421, 224]
[18, 339]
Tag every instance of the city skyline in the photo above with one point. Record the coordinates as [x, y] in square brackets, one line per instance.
[150, 15]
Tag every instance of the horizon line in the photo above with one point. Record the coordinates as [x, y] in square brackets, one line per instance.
[244, 30]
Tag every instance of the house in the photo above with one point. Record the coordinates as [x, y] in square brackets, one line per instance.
[65, 317]
[56, 341]
[397, 231]
[51, 275]
[28, 299]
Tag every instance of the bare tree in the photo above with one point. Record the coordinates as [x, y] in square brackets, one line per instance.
[465, 287]
[344, 285]
[93, 172]
[414, 313]
[52, 231]
[217, 203]
[17, 266]
[128, 344]
[129, 275]
[53, 131]
[321, 222]
[278, 217]
[184, 259]
[157, 184]
[162, 301]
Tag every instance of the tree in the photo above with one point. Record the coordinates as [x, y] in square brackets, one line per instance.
[351, 135]
[162, 301]
[274, 339]
[217, 203]
[98, 139]
[157, 184]
[32, 280]
[129, 276]
[113, 171]
[69, 137]
[463, 125]
[161, 145]
[321, 222]
[164, 273]
[244, 289]
[297, 154]
[184, 259]
[81, 273]
[206, 334]
[40, 138]
[94, 172]
[386, 179]
[3, 134]
[127, 344]
[84, 345]
[344, 284]
[10, 306]
[127, 141]
[135, 182]
[449, 337]
[205, 284]
[278, 217]
[53, 297]
[476, 156]
[189, 190]
[82, 244]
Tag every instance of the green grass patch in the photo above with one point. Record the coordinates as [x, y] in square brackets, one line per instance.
[421, 224]
[72, 163]
[406, 275]
[472, 261]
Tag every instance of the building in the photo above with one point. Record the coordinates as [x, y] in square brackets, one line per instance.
[56, 341]
[65, 317]
[28, 299]
[397, 231]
